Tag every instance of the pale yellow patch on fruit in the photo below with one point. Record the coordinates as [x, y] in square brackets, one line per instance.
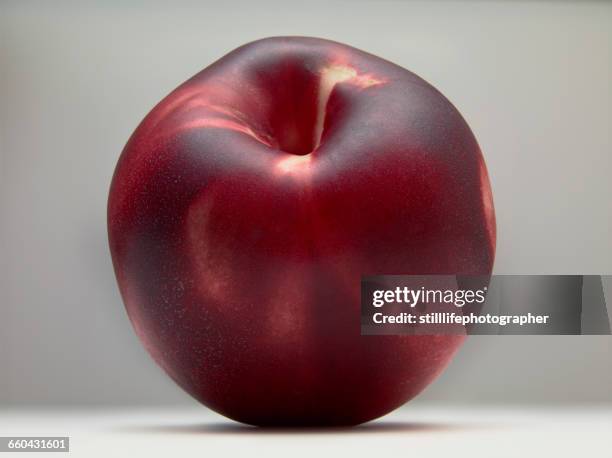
[330, 76]
[294, 164]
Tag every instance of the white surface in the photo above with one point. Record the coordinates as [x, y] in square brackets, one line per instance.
[414, 431]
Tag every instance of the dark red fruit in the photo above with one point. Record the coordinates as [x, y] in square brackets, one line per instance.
[248, 204]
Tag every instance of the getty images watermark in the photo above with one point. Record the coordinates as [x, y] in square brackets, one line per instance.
[502, 304]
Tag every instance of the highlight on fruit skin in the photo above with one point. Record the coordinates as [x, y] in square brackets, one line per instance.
[248, 204]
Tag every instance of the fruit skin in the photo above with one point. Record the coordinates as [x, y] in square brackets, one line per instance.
[239, 250]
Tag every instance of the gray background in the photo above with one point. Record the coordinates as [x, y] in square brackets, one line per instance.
[532, 79]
